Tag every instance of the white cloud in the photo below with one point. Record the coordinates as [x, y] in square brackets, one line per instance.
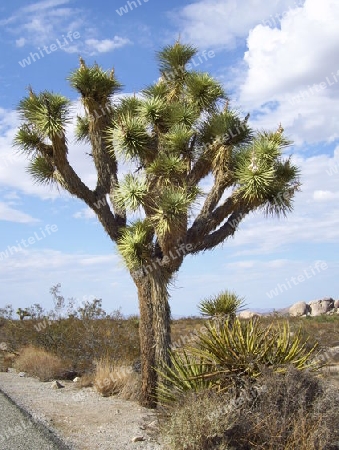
[325, 195]
[85, 213]
[105, 45]
[280, 61]
[219, 23]
[20, 42]
[292, 75]
[40, 24]
[9, 214]
[40, 6]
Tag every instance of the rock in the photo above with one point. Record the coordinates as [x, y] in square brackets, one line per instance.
[336, 304]
[76, 380]
[138, 439]
[319, 307]
[247, 315]
[56, 385]
[299, 309]
[3, 346]
[22, 374]
[136, 366]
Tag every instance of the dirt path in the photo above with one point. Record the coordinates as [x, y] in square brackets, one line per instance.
[81, 417]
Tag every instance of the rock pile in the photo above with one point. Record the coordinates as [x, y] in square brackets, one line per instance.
[315, 308]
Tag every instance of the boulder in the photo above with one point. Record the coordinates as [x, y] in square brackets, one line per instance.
[319, 307]
[299, 309]
[247, 315]
[336, 304]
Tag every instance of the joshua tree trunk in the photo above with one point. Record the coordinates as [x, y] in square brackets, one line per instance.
[154, 332]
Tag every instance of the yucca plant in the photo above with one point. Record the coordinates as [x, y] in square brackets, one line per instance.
[175, 135]
[222, 306]
[232, 354]
[186, 373]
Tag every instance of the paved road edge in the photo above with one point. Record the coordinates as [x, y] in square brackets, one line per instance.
[49, 432]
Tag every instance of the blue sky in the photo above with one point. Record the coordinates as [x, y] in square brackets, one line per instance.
[277, 60]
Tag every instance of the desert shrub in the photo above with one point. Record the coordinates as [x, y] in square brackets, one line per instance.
[112, 378]
[293, 410]
[36, 362]
[193, 423]
[80, 341]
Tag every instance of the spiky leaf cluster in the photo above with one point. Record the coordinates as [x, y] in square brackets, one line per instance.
[229, 355]
[131, 193]
[45, 114]
[133, 245]
[224, 304]
[94, 84]
[41, 170]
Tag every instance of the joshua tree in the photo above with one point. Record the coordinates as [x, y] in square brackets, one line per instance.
[177, 133]
[22, 313]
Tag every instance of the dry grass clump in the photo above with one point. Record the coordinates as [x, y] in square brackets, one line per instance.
[280, 412]
[37, 362]
[116, 379]
[85, 381]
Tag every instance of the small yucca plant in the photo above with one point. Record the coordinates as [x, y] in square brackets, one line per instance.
[223, 305]
[186, 373]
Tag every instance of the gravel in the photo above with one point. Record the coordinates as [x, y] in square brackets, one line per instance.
[74, 418]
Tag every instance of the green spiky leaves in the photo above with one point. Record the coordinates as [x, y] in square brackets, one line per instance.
[204, 91]
[263, 176]
[225, 127]
[28, 139]
[132, 192]
[82, 129]
[133, 245]
[177, 139]
[167, 169]
[225, 304]
[226, 355]
[46, 113]
[173, 58]
[171, 210]
[94, 84]
[41, 170]
[154, 110]
[130, 137]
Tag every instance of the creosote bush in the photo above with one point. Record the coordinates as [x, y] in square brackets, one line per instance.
[37, 362]
[286, 411]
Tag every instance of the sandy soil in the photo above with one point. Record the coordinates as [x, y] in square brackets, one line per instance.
[81, 417]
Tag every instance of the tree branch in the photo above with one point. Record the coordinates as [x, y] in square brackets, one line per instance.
[217, 237]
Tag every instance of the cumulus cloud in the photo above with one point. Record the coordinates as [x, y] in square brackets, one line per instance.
[293, 67]
[216, 23]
